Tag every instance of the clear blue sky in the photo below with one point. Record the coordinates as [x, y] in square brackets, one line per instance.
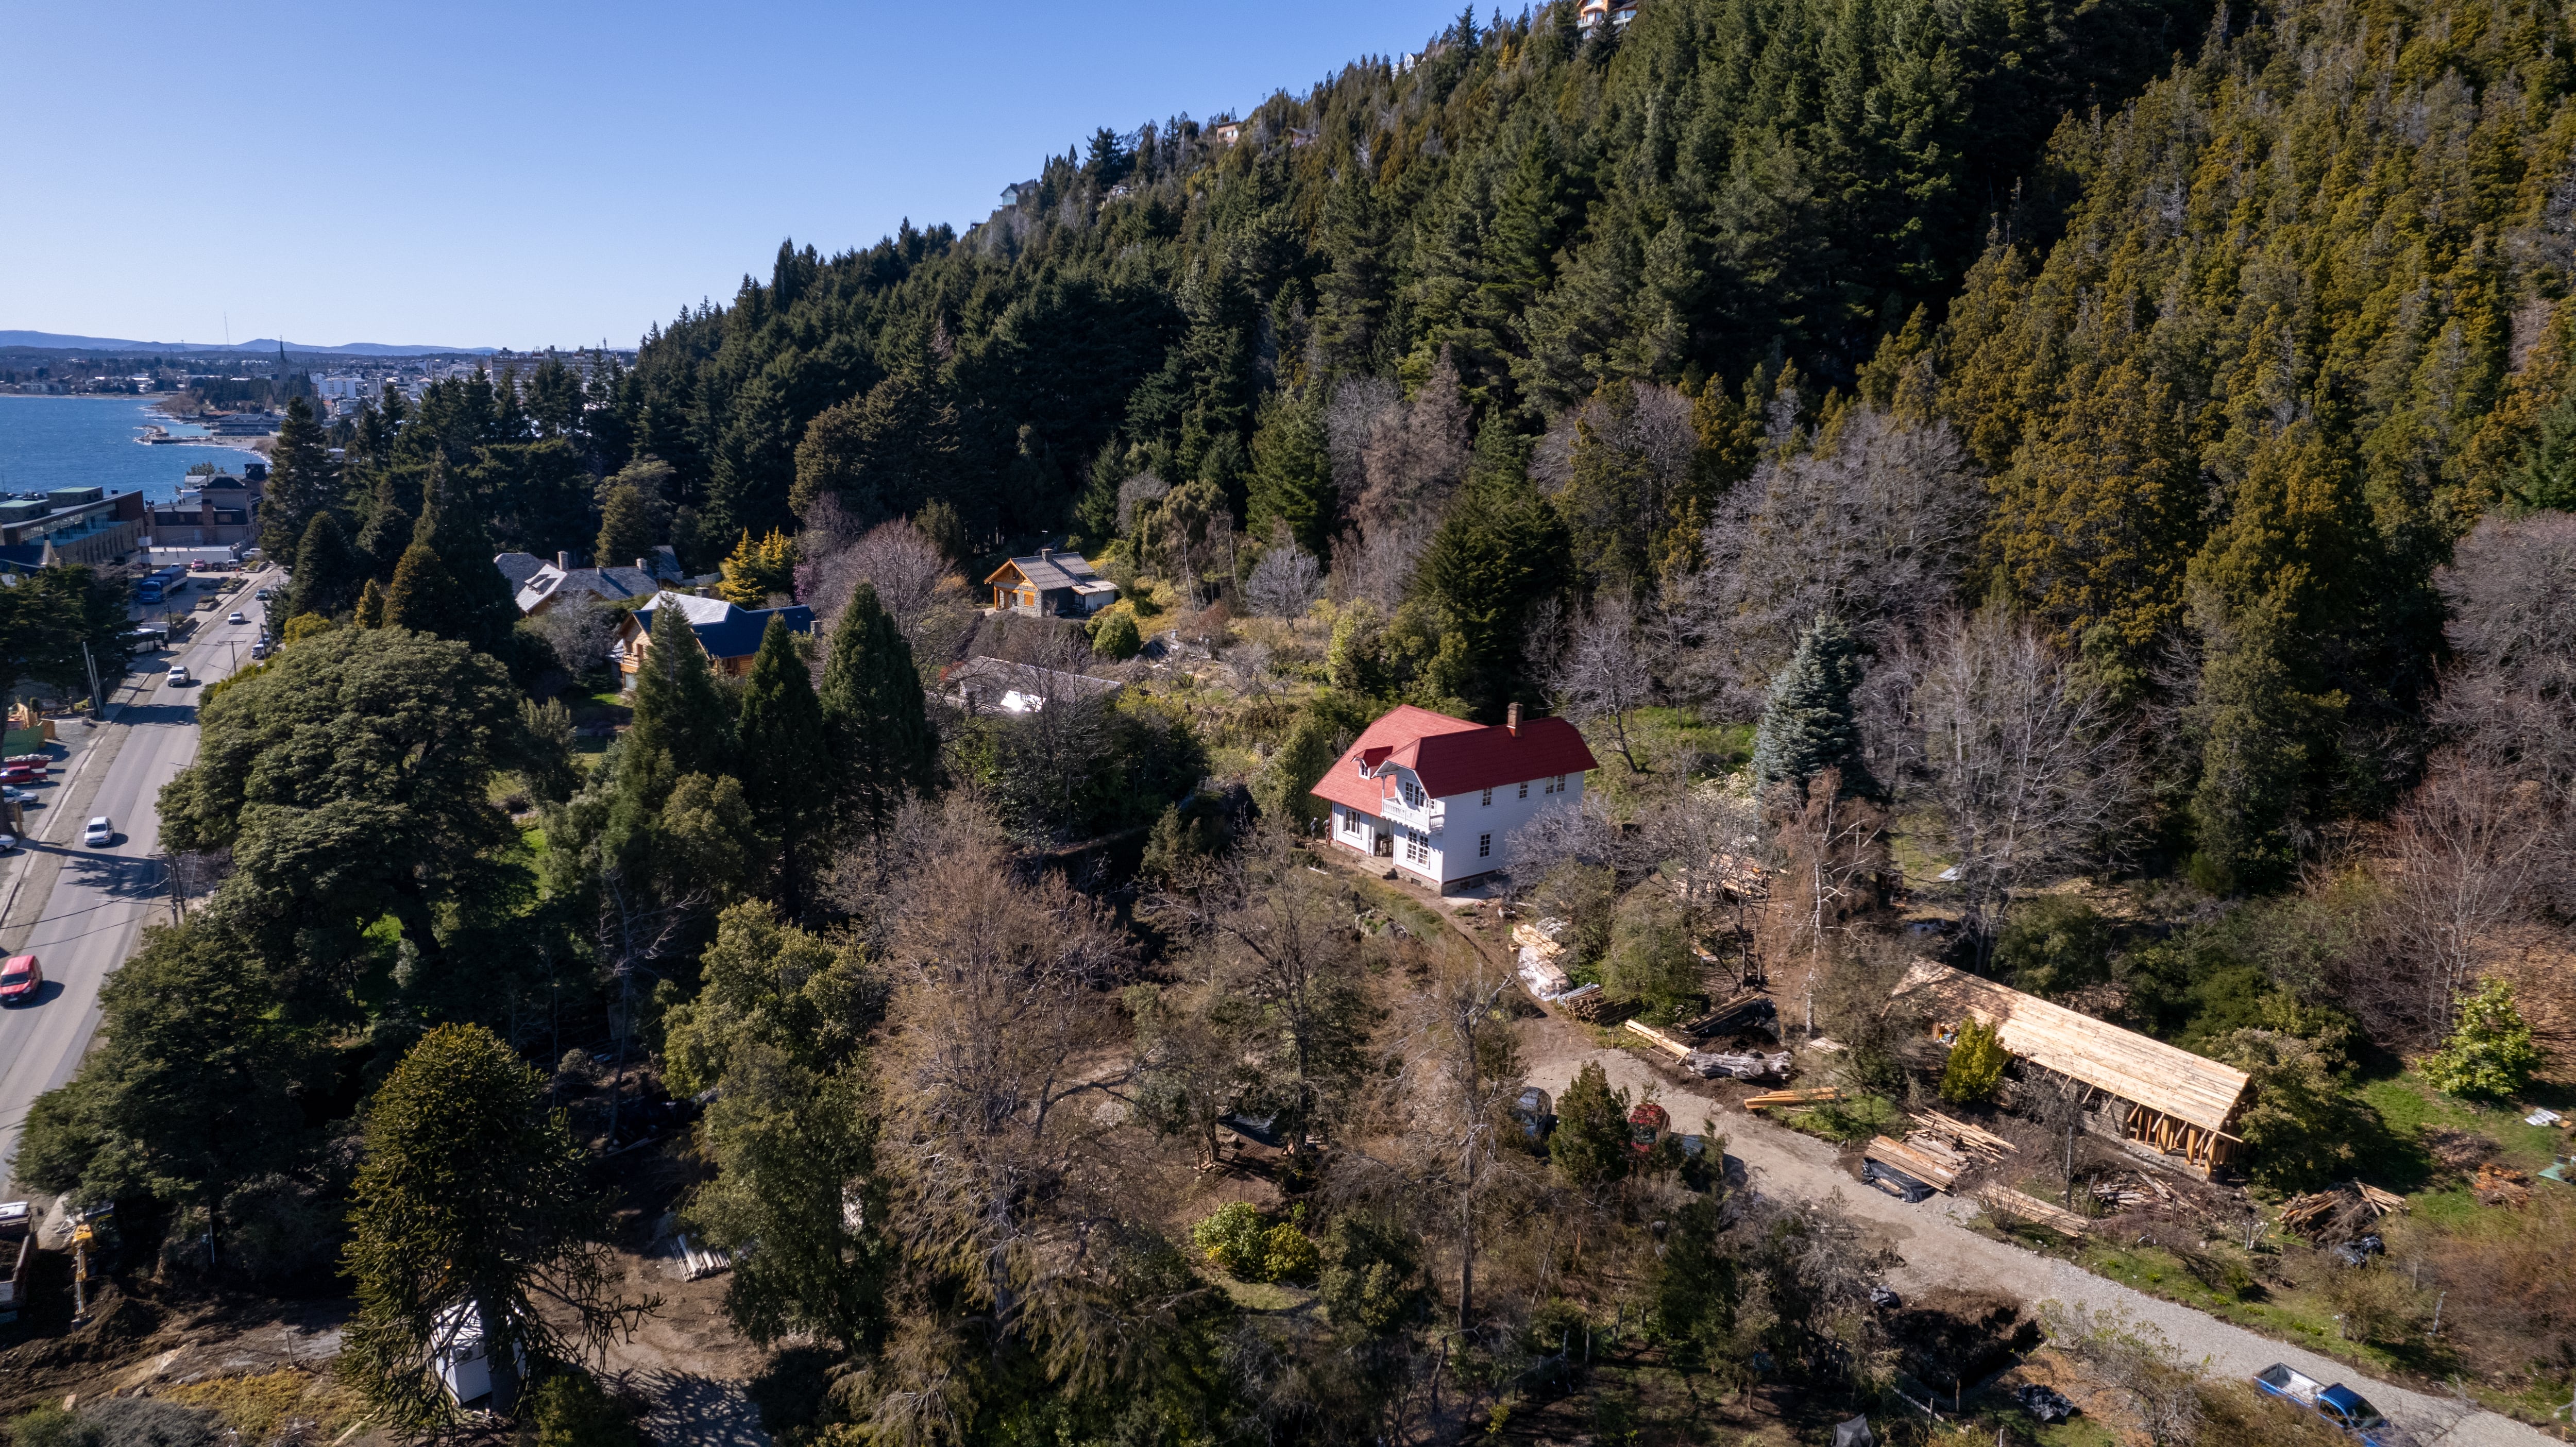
[551, 173]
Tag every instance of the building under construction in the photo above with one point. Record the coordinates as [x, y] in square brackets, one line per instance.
[2169, 1100]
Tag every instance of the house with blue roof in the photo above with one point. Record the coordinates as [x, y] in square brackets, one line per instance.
[730, 634]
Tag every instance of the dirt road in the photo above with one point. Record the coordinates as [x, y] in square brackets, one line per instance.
[1939, 1251]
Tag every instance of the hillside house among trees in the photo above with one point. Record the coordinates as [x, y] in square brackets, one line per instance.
[1439, 797]
[538, 584]
[729, 634]
[1050, 584]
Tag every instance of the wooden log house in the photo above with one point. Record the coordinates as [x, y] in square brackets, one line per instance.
[2177, 1104]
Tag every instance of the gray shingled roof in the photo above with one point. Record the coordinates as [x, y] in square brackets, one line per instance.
[1050, 571]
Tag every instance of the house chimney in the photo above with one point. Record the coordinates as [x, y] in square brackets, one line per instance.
[643, 567]
[563, 562]
[1512, 719]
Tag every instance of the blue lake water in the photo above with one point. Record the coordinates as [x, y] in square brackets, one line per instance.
[50, 442]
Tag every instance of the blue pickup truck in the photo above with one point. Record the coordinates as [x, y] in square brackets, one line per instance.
[2338, 1404]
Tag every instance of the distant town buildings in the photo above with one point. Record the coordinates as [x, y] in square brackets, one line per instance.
[69, 525]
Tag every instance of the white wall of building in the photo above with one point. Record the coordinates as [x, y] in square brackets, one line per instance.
[1464, 835]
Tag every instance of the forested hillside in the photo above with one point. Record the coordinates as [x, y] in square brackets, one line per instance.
[2083, 491]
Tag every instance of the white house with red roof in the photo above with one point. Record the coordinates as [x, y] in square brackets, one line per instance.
[1439, 797]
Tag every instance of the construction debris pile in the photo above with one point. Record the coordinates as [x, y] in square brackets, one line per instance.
[2135, 1191]
[1935, 1154]
[2501, 1186]
[2338, 1212]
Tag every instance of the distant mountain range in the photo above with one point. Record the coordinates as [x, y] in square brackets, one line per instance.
[57, 341]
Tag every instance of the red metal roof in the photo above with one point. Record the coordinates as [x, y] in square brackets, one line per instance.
[1452, 756]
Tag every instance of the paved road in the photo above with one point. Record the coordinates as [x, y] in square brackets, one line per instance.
[78, 909]
[1939, 1251]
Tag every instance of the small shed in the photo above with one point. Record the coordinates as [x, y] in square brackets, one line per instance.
[1048, 583]
[2158, 1095]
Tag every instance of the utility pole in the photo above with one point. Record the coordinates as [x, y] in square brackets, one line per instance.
[97, 696]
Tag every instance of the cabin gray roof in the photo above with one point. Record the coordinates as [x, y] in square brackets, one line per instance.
[1050, 571]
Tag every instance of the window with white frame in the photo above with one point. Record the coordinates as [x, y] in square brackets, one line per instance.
[1484, 846]
[1417, 846]
[1488, 799]
[1350, 822]
[1524, 788]
[1412, 792]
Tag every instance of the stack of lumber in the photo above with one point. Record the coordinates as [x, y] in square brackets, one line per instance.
[1984, 1145]
[1584, 1002]
[1540, 937]
[2005, 1201]
[1815, 1095]
[2501, 1186]
[1939, 1171]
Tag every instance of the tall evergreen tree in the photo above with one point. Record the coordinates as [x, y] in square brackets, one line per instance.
[1809, 723]
[1292, 475]
[388, 529]
[301, 481]
[329, 572]
[484, 610]
[680, 714]
[874, 723]
[425, 598]
[783, 752]
[1498, 552]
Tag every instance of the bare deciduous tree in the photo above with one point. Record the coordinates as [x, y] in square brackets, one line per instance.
[1285, 583]
[1414, 457]
[579, 631]
[914, 583]
[1871, 526]
[2025, 768]
[1602, 677]
[1832, 849]
[2473, 848]
[1377, 565]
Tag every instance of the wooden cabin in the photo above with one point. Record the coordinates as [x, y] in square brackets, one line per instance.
[2157, 1095]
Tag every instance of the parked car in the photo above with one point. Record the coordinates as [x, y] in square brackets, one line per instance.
[100, 833]
[2338, 1404]
[259, 650]
[178, 678]
[21, 774]
[236, 618]
[32, 761]
[13, 794]
[21, 980]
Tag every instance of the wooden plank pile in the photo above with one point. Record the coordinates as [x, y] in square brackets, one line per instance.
[1939, 1171]
[1813, 1095]
[1710, 1064]
[1983, 1144]
[2340, 1210]
[2005, 1201]
[2136, 1191]
[1584, 1002]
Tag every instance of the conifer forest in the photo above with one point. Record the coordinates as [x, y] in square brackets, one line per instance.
[2079, 493]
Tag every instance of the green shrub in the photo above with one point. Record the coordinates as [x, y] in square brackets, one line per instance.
[1116, 637]
[1650, 959]
[2491, 1053]
[1288, 1254]
[572, 1411]
[1590, 1142]
[1976, 1069]
[1235, 1239]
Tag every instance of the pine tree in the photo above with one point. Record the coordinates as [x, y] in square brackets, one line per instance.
[679, 713]
[1497, 553]
[782, 751]
[625, 526]
[1292, 475]
[425, 598]
[328, 571]
[371, 606]
[301, 481]
[1809, 723]
[482, 608]
[387, 532]
[879, 734]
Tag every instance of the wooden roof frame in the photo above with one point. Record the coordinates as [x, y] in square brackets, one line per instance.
[2163, 1096]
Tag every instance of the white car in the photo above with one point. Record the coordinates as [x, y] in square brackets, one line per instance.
[100, 833]
[178, 678]
[237, 618]
[15, 795]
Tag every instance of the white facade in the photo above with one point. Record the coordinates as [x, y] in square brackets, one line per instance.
[1441, 842]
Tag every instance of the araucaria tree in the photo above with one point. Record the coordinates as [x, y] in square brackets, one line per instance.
[472, 1207]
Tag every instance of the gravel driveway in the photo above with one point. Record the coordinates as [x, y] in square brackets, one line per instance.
[1940, 1251]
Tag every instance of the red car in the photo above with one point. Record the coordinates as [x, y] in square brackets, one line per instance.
[21, 774]
[20, 979]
